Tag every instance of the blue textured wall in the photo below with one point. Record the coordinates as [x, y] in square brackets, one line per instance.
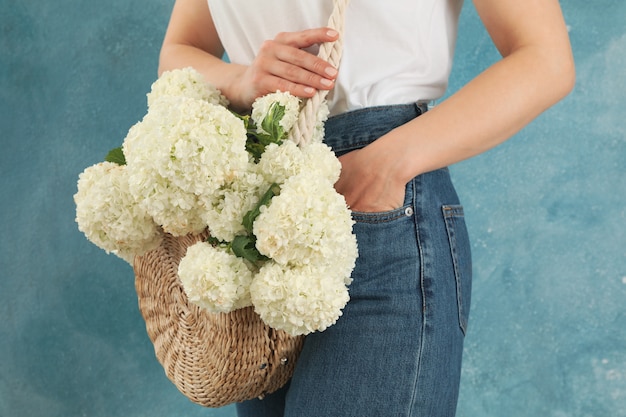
[547, 212]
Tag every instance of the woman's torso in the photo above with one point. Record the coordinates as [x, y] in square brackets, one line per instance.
[395, 52]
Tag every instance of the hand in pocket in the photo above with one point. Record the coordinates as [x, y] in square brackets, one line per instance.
[367, 183]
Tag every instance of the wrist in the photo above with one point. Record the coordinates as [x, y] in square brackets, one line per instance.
[232, 88]
[392, 159]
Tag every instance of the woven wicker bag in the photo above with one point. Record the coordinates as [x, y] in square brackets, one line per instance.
[213, 359]
[219, 359]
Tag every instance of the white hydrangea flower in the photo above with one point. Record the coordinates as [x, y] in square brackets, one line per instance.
[308, 224]
[262, 105]
[280, 162]
[109, 216]
[226, 208]
[188, 169]
[320, 160]
[298, 300]
[186, 82]
[215, 279]
[183, 149]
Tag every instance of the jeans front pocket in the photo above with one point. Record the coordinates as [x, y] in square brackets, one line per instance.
[384, 216]
[461, 258]
[388, 262]
[387, 216]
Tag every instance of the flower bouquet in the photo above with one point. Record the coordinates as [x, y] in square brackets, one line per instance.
[280, 236]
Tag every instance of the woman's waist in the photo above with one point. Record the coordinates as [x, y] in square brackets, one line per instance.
[358, 128]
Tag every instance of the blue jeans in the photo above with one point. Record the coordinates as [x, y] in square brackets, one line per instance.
[396, 351]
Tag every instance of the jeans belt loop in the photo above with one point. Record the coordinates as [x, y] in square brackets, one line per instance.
[421, 107]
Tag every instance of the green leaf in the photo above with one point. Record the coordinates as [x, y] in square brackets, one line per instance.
[248, 123]
[245, 247]
[116, 156]
[272, 131]
[250, 217]
[255, 149]
[213, 241]
[271, 122]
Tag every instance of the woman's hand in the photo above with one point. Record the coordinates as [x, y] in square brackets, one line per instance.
[283, 64]
[369, 181]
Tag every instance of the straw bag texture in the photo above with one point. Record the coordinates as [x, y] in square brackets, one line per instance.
[219, 359]
[213, 359]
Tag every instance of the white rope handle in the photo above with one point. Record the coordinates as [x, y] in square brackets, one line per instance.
[302, 131]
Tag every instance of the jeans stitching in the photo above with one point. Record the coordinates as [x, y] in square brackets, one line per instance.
[450, 212]
[423, 294]
[380, 217]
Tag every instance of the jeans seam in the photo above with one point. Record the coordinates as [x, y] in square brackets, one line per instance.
[380, 217]
[450, 212]
[421, 289]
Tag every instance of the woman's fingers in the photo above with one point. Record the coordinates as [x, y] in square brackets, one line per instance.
[283, 64]
[306, 61]
[294, 53]
[293, 68]
[307, 38]
[299, 67]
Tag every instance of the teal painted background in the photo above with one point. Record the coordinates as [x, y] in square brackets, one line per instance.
[546, 210]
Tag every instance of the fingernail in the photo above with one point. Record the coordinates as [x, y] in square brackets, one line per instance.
[331, 71]
[332, 33]
[309, 90]
[326, 82]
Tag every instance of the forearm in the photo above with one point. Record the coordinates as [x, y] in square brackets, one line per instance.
[281, 64]
[486, 112]
[191, 40]
[221, 74]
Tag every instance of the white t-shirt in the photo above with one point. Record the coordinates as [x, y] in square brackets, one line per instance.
[395, 51]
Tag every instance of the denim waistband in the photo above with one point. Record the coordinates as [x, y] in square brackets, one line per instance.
[357, 128]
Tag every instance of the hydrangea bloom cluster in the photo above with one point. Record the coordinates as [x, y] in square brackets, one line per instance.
[281, 236]
[107, 213]
[261, 109]
[215, 279]
[306, 234]
[225, 209]
[304, 226]
[183, 150]
[299, 300]
[188, 83]
[287, 160]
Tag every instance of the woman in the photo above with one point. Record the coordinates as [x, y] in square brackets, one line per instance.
[396, 351]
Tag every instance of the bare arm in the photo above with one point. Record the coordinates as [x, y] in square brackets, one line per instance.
[536, 71]
[281, 64]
